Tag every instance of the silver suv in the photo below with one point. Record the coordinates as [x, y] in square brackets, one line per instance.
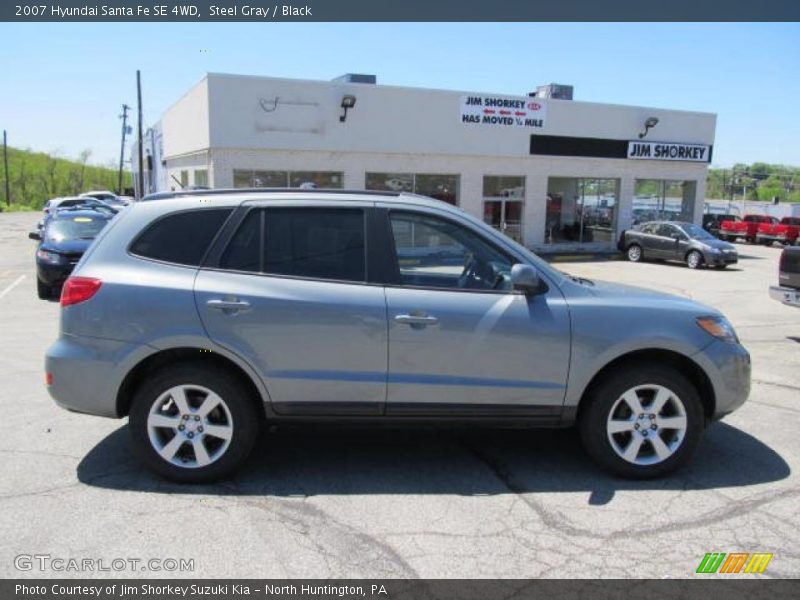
[204, 315]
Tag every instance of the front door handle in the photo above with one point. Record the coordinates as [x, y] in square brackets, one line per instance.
[228, 306]
[416, 321]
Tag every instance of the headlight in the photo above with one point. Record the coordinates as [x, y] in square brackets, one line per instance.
[719, 327]
[713, 250]
[49, 257]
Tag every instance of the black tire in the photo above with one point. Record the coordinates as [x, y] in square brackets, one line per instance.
[634, 253]
[243, 408]
[44, 291]
[596, 407]
[694, 259]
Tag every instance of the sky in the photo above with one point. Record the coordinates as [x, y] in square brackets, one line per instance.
[63, 84]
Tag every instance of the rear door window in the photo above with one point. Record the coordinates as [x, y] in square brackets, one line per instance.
[318, 243]
[182, 238]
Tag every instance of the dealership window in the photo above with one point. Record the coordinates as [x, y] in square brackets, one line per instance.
[201, 177]
[441, 187]
[245, 178]
[581, 210]
[503, 199]
[184, 179]
[669, 200]
[316, 179]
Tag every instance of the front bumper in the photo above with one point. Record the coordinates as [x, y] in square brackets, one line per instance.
[785, 295]
[728, 367]
[763, 237]
[721, 258]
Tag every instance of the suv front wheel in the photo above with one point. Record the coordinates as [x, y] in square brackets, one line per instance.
[644, 421]
[193, 423]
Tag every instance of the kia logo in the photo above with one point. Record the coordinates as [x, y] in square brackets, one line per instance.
[534, 106]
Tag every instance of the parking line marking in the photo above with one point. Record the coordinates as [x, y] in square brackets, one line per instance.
[14, 284]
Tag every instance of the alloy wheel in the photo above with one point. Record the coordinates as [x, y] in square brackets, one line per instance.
[647, 424]
[190, 426]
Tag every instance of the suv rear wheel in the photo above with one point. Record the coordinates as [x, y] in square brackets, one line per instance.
[193, 423]
[645, 421]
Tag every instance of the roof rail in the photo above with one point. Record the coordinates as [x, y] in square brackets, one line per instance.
[216, 192]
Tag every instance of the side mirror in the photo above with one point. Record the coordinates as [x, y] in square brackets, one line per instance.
[526, 279]
[35, 235]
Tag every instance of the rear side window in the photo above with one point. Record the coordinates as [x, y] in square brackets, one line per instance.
[319, 243]
[182, 238]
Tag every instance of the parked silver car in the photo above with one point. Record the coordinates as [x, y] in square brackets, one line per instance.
[205, 315]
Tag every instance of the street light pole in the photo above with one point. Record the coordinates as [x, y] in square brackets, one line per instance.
[5, 166]
[125, 109]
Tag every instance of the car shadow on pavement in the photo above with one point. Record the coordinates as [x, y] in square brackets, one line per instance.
[324, 461]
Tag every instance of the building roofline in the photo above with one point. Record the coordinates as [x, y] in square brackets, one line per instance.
[321, 82]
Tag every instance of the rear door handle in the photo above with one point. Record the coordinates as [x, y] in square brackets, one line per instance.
[416, 321]
[228, 306]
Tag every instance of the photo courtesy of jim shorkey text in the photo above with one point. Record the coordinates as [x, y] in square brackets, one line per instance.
[375, 590]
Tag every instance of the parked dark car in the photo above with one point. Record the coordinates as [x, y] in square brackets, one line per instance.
[712, 223]
[675, 240]
[65, 236]
[788, 288]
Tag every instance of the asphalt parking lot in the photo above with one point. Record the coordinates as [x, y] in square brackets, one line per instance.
[451, 504]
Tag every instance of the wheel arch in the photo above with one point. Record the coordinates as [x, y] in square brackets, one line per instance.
[153, 362]
[697, 376]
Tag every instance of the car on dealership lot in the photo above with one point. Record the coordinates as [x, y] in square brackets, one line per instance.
[788, 288]
[109, 198]
[747, 228]
[54, 205]
[63, 239]
[244, 308]
[676, 240]
[786, 231]
[712, 222]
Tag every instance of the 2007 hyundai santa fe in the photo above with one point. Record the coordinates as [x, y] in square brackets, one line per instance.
[204, 315]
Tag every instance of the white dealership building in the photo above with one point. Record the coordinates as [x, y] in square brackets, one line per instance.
[550, 171]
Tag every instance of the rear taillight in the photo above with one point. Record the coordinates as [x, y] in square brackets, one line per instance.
[79, 289]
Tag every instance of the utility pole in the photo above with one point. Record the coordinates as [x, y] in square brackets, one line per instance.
[124, 116]
[5, 166]
[140, 142]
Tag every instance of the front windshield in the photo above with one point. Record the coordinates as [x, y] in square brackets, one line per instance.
[75, 228]
[696, 232]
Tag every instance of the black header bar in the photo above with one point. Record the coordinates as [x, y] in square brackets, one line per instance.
[268, 11]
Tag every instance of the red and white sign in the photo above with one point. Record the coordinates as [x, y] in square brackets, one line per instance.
[503, 111]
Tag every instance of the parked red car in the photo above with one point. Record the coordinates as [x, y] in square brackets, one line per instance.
[747, 228]
[785, 232]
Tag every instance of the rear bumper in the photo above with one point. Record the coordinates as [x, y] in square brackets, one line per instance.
[53, 274]
[86, 373]
[785, 295]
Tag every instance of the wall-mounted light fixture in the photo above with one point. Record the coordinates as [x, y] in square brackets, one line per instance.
[649, 123]
[348, 102]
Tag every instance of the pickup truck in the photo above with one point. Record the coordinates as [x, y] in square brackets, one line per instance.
[788, 288]
[785, 232]
[747, 228]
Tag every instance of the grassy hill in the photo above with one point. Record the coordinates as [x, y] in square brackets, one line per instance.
[36, 177]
